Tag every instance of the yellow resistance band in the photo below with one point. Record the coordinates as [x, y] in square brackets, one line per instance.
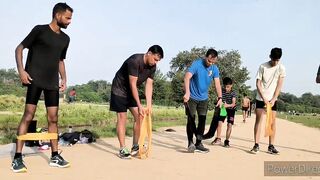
[145, 131]
[269, 121]
[38, 136]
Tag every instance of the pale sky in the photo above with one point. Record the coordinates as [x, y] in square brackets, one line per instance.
[105, 33]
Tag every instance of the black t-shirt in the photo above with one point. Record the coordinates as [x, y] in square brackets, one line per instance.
[46, 49]
[134, 66]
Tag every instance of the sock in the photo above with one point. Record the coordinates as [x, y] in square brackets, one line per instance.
[17, 155]
[54, 153]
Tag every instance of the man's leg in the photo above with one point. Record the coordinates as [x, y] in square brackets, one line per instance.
[51, 98]
[257, 126]
[56, 159]
[136, 130]
[244, 115]
[200, 128]
[32, 97]
[191, 124]
[27, 117]
[52, 116]
[121, 128]
[136, 124]
[119, 104]
[17, 163]
[271, 148]
[202, 109]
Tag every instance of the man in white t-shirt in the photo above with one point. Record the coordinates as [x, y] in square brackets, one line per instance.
[269, 81]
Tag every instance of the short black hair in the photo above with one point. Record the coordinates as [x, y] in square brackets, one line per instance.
[212, 52]
[61, 7]
[227, 81]
[276, 53]
[156, 49]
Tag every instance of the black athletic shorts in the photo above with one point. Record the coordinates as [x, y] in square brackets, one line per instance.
[121, 104]
[230, 115]
[245, 108]
[261, 105]
[51, 97]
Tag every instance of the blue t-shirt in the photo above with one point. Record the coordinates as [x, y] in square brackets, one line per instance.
[201, 79]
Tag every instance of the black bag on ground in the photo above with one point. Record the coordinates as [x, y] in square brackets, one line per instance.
[88, 135]
[71, 138]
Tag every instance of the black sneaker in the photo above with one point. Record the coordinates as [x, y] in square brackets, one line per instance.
[134, 149]
[226, 143]
[58, 161]
[200, 148]
[255, 149]
[17, 165]
[191, 148]
[272, 150]
[124, 153]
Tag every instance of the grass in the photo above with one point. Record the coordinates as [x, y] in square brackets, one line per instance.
[309, 120]
[98, 118]
[95, 117]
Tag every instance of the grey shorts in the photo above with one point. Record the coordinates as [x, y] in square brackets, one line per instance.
[199, 107]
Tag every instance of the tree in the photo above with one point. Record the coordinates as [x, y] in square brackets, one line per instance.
[10, 83]
[93, 91]
[162, 92]
[229, 64]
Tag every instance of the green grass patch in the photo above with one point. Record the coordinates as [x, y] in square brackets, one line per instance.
[310, 120]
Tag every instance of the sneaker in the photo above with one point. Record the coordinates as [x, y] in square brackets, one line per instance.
[58, 161]
[255, 149]
[200, 148]
[272, 150]
[124, 153]
[134, 149]
[191, 148]
[17, 165]
[216, 141]
[226, 143]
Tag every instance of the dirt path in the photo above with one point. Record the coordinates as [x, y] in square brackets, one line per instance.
[169, 159]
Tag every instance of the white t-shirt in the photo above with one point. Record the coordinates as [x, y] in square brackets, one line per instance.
[269, 77]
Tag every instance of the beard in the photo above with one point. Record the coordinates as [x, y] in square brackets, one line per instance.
[61, 25]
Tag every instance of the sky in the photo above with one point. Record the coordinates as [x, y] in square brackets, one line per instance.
[105, 33]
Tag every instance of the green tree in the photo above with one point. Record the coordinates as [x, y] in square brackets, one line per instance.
[93, 91]
[10, 83]
[162, 92]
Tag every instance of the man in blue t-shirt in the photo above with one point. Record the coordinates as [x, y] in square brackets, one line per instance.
[196, 83]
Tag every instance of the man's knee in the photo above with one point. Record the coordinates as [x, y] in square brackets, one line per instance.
[28, 116]
[52, 118]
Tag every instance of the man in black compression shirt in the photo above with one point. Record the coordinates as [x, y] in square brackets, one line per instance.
[47, 46]
[137, 69]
